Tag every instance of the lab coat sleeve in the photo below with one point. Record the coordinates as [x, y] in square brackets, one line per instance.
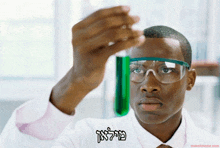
[36, 123]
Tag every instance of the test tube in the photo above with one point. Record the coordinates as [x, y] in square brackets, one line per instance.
[122, 93]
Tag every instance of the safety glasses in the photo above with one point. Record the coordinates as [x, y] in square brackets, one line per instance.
[164, 70]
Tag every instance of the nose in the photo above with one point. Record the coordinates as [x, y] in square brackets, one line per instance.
[150, 84]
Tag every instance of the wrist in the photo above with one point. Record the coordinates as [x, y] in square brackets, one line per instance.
[67, 93]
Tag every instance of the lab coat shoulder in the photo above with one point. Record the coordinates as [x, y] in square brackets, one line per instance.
[201, 136]
[198, 136]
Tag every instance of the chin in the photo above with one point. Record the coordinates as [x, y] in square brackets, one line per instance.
[151, 117]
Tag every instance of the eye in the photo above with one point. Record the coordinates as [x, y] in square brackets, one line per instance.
[137, 70]
[166, 70]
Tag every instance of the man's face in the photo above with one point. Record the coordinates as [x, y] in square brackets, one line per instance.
[170, 96]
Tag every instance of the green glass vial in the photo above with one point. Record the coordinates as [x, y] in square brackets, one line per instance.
[122, 94]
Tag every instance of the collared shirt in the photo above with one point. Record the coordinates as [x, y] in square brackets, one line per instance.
[146, 139]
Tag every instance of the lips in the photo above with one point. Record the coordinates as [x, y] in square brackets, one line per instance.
[150, 107]
[151, 100]
[150, 104]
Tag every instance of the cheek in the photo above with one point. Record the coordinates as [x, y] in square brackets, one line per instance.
[132, 90]
[133, 93]
[178, 94]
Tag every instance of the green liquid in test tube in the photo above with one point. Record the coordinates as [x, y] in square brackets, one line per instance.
[122, 94]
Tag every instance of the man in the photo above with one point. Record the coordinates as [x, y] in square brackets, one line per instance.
[160, 75]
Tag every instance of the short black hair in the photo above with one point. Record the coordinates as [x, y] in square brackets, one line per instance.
[167, 32]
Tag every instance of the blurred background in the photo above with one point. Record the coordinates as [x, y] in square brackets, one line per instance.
[36, 52]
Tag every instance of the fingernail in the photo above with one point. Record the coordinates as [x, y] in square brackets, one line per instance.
[135, 18]
[135, 27]
[142, 38]
[125, 8]
[140, 32]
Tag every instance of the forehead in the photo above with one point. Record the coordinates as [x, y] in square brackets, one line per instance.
[159, 47]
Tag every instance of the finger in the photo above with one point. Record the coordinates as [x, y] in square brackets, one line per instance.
[122, 45]
[105, 24]
[102, 13]
[112, 35]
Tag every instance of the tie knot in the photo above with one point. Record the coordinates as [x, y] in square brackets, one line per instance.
[164, 146]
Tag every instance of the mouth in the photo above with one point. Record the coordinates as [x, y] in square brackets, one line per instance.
[150, 104]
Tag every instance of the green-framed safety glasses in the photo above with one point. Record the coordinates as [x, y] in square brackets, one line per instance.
[165, 70]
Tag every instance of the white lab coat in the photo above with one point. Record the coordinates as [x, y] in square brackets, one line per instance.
[84, 134]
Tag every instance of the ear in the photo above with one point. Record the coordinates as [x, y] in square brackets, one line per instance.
[191, 79]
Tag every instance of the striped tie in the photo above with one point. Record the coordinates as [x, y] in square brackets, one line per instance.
[164, 146]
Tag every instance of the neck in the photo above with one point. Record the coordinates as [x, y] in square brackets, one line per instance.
[164, 131]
